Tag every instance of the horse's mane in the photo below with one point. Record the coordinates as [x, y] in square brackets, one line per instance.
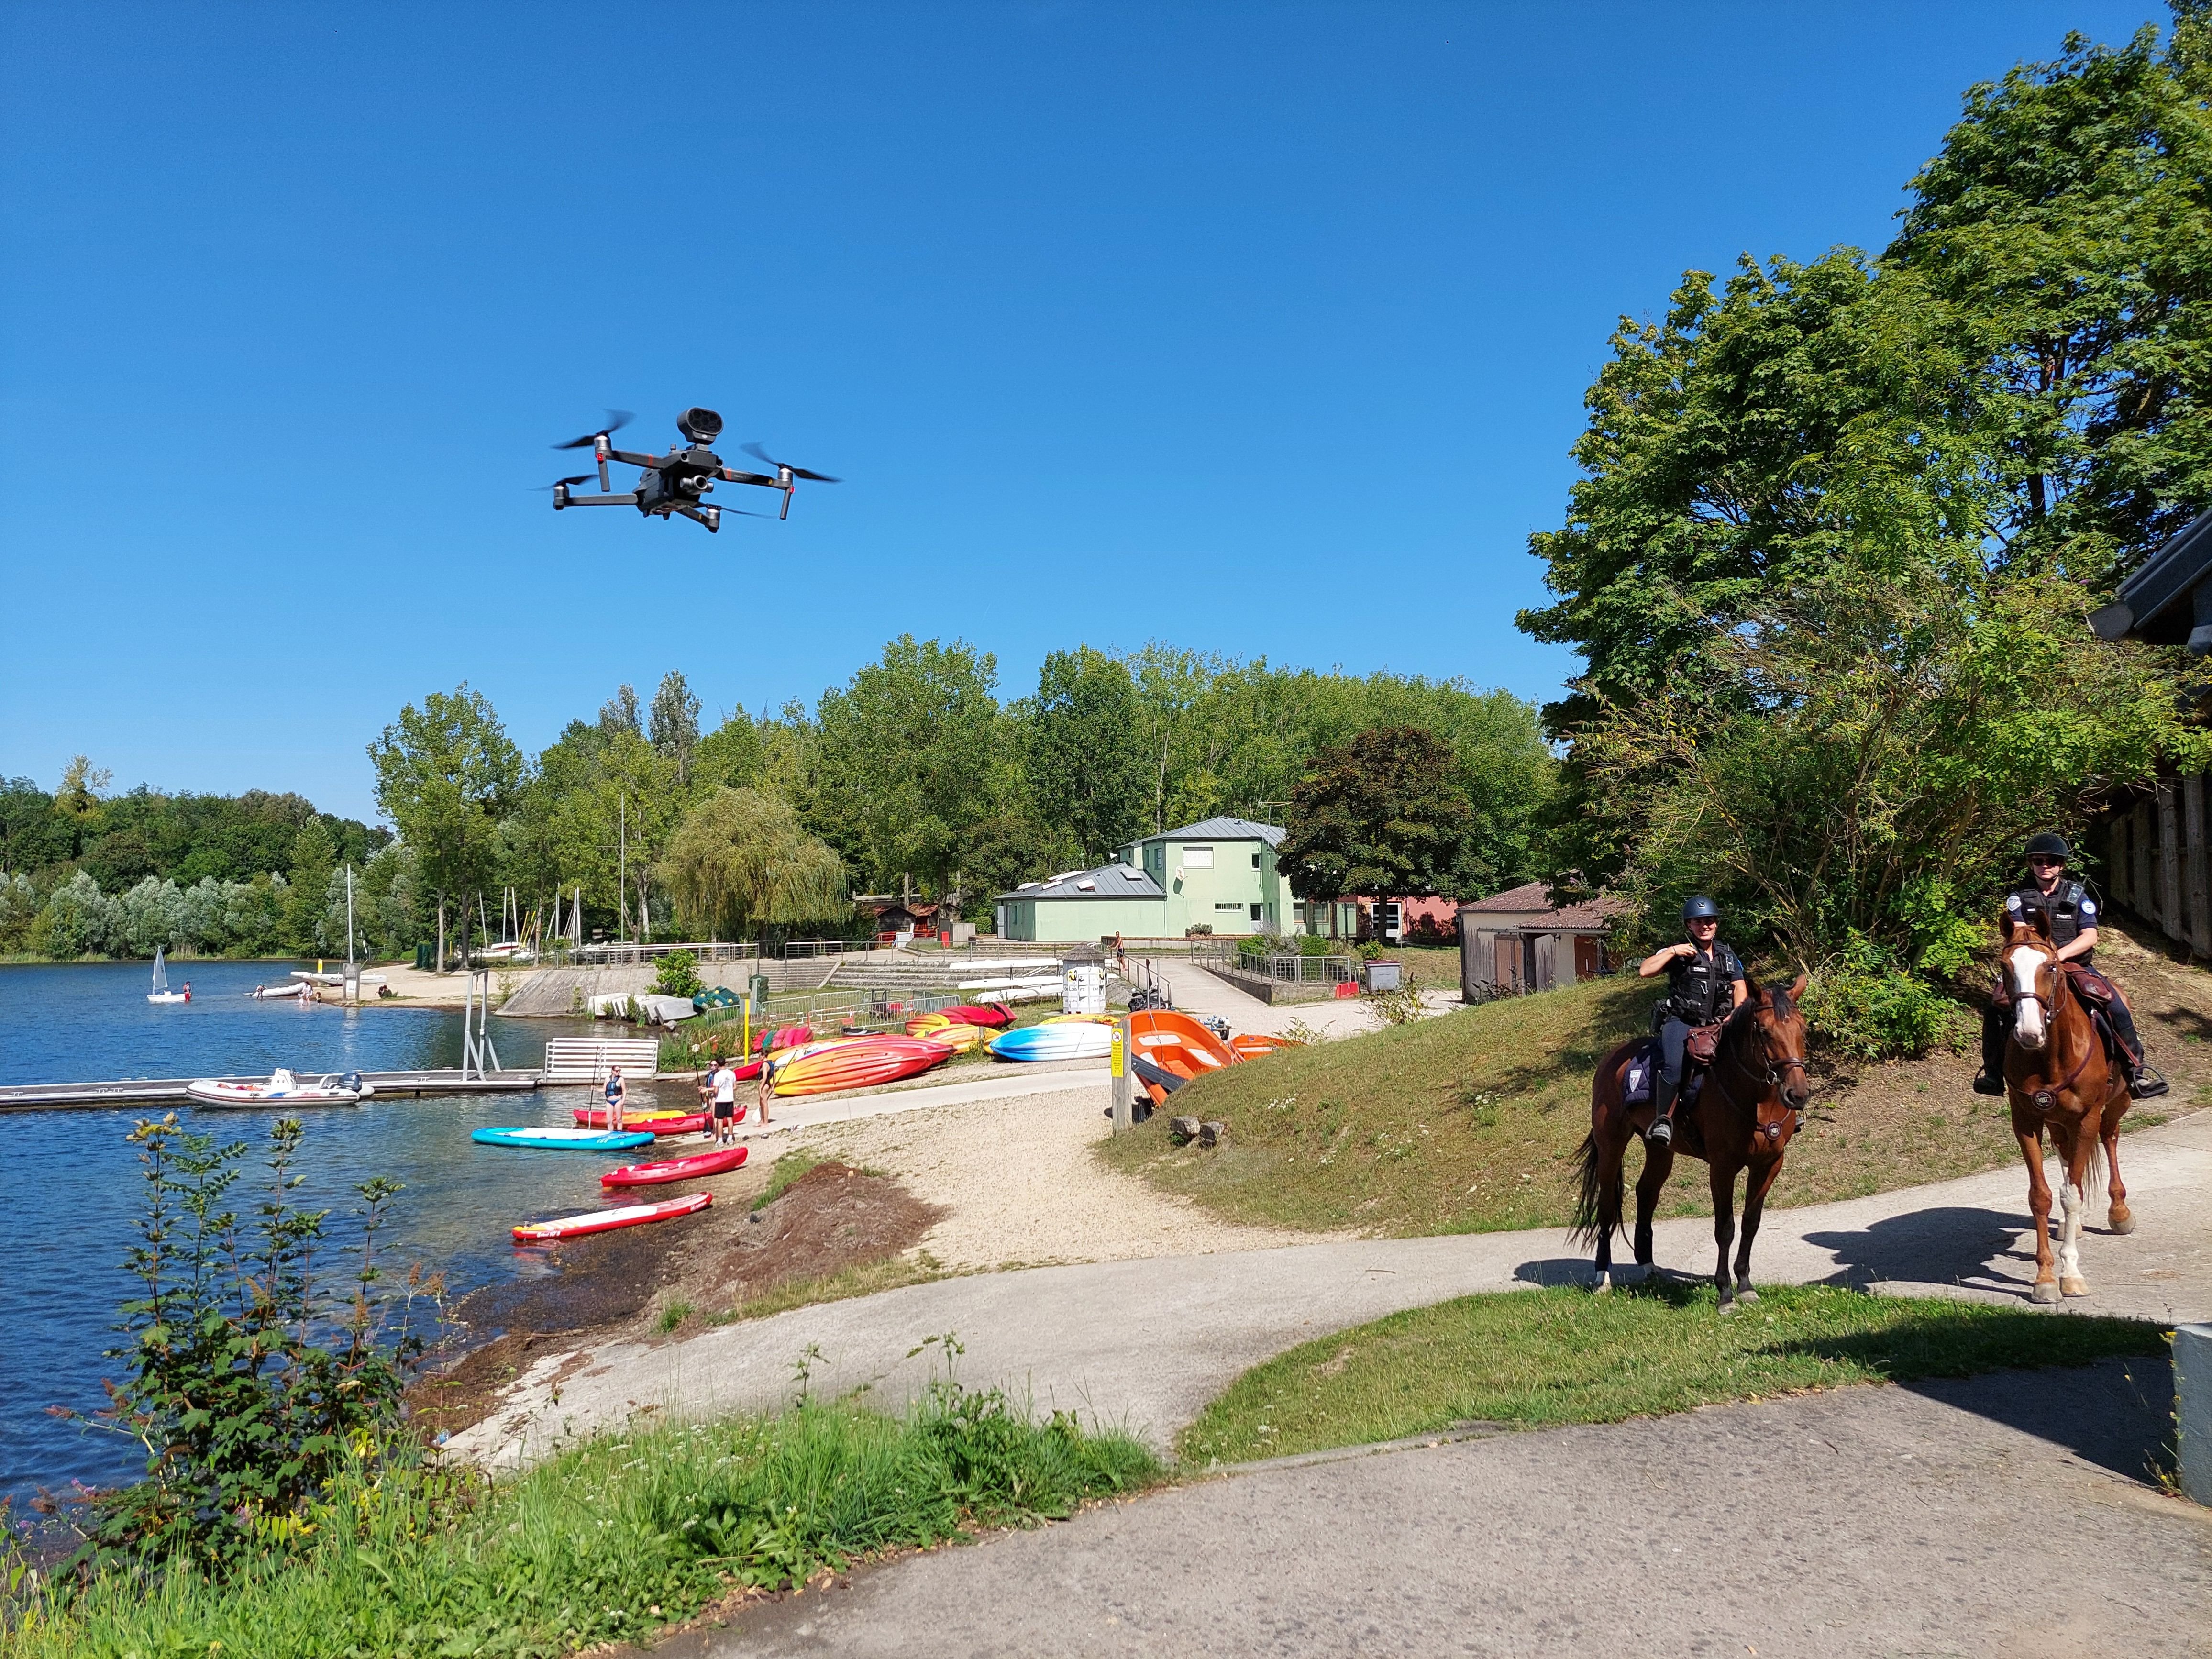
[1776, 1000]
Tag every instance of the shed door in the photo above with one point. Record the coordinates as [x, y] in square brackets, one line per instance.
[1589, 958]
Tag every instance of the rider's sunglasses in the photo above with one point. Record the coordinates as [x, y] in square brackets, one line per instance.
[1705, 922]
[2046, 863]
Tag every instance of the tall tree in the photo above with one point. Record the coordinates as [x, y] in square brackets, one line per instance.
[742, 860]
[1086, 751]
[1379, 817]
[445, 773]
[674, 729]
[905, 760]
[618, 714]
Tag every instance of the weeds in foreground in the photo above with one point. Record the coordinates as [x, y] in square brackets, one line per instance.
[605, 1542]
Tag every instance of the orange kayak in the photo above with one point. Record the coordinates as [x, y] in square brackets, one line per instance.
[860, 1062]
[1250, 1045]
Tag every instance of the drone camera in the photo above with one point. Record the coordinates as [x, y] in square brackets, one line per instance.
[701, 426]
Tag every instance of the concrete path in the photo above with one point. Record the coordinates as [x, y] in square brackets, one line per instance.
[1144, 1343]
[2003, 1515]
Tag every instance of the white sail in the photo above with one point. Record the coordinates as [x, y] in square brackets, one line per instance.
[160, 972]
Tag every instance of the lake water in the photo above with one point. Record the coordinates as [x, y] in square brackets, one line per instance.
[72, 1185]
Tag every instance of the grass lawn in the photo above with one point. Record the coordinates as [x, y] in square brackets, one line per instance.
[1563, 1356]
[604, 1543]
[1467, 1122]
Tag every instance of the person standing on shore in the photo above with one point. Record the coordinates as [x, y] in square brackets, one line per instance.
[726, 1103]
[615, 1092]
[767, 1087]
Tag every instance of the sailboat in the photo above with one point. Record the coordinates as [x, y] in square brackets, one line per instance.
[161, 991]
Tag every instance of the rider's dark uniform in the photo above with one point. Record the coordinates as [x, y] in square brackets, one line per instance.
[1700, 989]
[2071, 907]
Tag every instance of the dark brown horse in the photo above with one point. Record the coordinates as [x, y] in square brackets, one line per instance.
[1742, 1118]
[2057, 1078]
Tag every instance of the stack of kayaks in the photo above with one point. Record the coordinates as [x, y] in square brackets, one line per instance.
[1063, 1040]
[606, 1221]
[772, 1042]
[721, 1161]
[564, 1141]
[856, 1062]
[653, 1122]
[955, 1036]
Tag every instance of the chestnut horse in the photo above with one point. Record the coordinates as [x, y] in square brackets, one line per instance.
[1743, 1118]
[2056, 1078]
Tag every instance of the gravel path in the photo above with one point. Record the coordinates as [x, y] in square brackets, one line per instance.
[1023, 1189]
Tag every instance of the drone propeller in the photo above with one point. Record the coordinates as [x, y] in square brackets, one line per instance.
[616, 420]
[760, 454]
[581, 477]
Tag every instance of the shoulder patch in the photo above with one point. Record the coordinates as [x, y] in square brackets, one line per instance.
[2012, 903]
[2088, 907]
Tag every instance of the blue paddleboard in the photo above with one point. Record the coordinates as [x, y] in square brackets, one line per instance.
[564, 1140]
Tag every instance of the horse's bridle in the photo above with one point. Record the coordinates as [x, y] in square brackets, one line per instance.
[2044, 1100]
[1772, 1132]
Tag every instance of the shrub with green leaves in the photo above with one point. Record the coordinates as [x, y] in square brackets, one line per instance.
[679, 975]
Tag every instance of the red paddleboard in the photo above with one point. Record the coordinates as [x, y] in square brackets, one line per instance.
[595, 1117]
[856, 1063]
[606, 1221]
[721, 1161]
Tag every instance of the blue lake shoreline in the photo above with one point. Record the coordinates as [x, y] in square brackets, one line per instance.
[74, 1179]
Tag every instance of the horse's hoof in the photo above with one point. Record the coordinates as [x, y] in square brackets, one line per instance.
[1745, 1293]
[2074, 1286]
[1728, 1306]
[2046, 1291]
[2122, 1219]
[1603, 1287]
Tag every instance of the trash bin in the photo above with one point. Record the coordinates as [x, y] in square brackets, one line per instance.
[1383, 976]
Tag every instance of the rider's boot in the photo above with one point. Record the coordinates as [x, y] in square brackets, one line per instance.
[1661, 1131]
[1991, 1080]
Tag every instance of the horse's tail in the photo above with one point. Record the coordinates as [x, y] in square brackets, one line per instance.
[1590, 1222]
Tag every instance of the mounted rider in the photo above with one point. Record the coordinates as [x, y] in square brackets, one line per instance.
[2071, 910]
[1705, 985]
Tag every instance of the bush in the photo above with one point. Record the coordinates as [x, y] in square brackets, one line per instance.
[253, 1389]
[679, 975]
[1863, 1002]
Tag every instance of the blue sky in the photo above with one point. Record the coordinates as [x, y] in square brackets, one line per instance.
[1259, 329]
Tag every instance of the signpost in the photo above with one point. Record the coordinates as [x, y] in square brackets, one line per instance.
[1119, 1064]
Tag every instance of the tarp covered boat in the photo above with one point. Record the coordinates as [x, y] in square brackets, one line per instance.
[721, 1161]
[564, 1141]
[606, 1221]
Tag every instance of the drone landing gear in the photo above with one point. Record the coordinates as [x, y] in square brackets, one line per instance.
[709, 516]
[562, 498]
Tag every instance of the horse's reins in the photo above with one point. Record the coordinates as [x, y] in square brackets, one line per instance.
[2043, 1099]
[1771, 1131]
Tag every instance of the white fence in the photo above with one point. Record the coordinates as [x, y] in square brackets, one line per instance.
[585, 1060]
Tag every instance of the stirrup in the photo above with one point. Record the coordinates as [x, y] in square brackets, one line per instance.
[1661, 1131]
[2146, 1083]
[1985, 1083]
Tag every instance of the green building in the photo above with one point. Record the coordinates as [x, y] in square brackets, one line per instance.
[1219, 874]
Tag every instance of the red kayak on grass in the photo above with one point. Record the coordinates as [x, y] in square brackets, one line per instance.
[606, 1221]
[595, 1117]
[721, 1161]
[990, 1015]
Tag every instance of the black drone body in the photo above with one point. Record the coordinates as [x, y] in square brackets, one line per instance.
[679, 481]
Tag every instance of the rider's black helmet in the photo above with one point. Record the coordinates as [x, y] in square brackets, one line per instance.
[2048, 844]
[1699, 907]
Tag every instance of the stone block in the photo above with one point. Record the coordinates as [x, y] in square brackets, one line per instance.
[2192, 1407]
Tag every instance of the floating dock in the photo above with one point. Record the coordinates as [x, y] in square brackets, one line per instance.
[170, 1092]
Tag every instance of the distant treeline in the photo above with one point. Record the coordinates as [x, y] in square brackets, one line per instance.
[914, 771]
[82, 872]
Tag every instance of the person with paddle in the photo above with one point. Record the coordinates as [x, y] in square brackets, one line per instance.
[1706, 986]
[2070, 910]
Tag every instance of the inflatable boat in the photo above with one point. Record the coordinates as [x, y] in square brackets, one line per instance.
[282, 1089]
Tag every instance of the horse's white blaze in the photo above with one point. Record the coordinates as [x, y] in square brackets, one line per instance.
[2025, 962]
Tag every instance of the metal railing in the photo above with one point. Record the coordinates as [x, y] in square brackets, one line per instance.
[1257, 958]
[610, 951]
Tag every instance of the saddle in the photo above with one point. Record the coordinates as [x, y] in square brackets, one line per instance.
[1643, 1070]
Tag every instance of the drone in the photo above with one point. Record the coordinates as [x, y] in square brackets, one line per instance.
[679, 480]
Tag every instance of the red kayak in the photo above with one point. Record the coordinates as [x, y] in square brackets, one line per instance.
[721, 1161]
[606, 1221]
[860, 1062]
[990, 1015]
[595, 1117]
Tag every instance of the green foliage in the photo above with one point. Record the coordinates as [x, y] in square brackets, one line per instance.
[1379, 816]
[246, 1416]
[740, 861]
[679, 975]
[675, 727]
[607, 1541]
[445, 774]
[1085, 755]
[1863, 1003]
